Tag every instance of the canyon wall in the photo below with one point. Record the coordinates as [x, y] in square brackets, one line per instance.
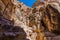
[20, 22]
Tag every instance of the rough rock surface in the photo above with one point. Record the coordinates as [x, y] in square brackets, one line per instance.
[19, 22]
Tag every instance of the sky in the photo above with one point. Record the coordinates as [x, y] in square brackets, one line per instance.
[29, 2]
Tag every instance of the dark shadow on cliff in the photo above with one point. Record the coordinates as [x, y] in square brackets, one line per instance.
[10, 32]
[51, 19]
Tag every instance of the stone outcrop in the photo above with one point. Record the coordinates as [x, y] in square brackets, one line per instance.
[8, 31]
[37, 3]
[19, 22]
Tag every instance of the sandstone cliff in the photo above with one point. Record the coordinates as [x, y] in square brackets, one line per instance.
[19, 22]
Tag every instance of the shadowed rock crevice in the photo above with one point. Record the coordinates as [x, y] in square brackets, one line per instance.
[10, 32]
[51, 19]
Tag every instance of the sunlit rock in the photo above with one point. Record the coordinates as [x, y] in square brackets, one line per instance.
[19, 22]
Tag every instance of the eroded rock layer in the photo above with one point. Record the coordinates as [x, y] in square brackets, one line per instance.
[19, 22]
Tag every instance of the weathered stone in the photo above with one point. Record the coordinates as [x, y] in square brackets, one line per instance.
[19, 22]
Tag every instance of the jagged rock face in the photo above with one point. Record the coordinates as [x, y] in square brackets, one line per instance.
[5, 8]
[8, 31]
[37, 3]
[51, 18]
[51, 13]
